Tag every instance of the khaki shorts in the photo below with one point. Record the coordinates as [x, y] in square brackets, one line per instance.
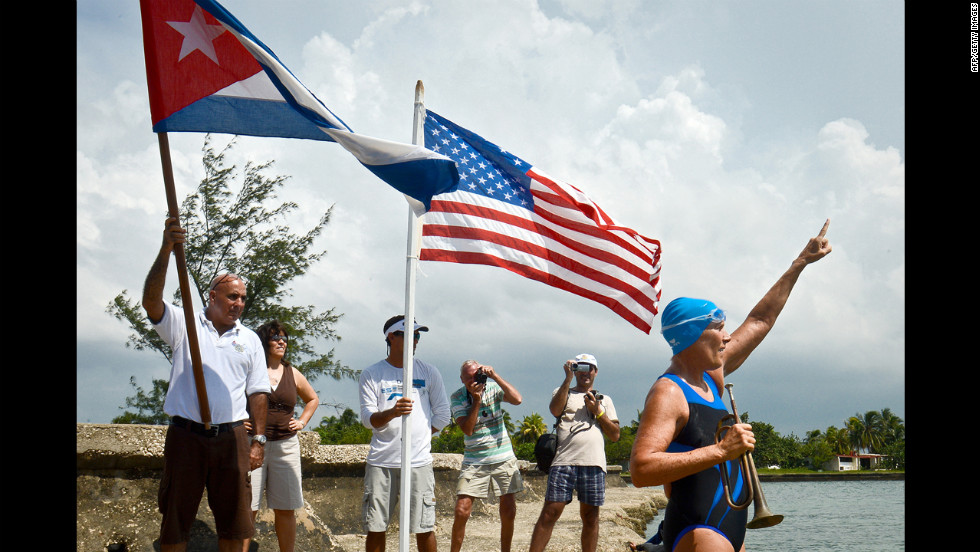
[279, 477]
[476, 480]
[381, 491]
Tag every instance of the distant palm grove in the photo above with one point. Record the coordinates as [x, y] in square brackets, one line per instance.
[873, 432]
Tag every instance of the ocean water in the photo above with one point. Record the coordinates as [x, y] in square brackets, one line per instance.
[819, 516]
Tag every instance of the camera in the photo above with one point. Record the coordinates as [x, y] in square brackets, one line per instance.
[581, 367]
[480, 376]
[595, 395]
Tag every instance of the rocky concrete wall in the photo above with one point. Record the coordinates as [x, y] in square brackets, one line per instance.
[119, 469]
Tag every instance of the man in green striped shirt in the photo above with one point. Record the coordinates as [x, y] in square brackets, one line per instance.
[488, 458]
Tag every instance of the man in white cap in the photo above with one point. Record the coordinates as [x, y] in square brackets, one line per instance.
[383, 403]
[584, 417]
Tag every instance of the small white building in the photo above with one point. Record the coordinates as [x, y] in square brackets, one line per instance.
[846, 462]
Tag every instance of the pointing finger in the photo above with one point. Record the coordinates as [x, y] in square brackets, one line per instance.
[823, 231]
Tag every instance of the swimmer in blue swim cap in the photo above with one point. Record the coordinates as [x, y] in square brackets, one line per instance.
[675, 444]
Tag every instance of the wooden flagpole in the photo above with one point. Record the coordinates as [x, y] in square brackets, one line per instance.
[411, 265]
[185, 287]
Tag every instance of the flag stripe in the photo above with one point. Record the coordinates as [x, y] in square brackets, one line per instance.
[223, 115]
[293, 91]
[524, 228]
[401, 165]
[509, 214]
[547, 257]
[498, 228]
[449, 253]
[560, 197]
[619, 245]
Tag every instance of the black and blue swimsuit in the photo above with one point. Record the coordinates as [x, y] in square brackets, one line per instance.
[697, 501]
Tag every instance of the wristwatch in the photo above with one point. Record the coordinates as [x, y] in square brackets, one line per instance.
[260, 439]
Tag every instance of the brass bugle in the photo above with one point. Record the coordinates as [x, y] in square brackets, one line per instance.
[762, 516]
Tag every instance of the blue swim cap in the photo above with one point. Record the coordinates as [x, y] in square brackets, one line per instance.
[684, 319]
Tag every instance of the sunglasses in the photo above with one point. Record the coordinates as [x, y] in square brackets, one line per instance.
[402, 335]
[278, 338]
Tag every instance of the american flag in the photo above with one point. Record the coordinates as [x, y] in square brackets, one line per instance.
[506, 213]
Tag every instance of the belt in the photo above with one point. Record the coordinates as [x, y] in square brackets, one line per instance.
[198, 428]
[280, 406]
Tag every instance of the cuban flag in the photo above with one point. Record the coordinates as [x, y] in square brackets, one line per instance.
[207, 73]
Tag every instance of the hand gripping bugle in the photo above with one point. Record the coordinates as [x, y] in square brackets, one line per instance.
[762, 516]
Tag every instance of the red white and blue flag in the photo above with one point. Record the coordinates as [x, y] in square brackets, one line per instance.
[207, 73]
[506, 213]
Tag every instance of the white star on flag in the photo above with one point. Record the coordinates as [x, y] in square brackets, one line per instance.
[197, 35]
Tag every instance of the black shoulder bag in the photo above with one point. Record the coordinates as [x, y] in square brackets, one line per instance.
[547, 446]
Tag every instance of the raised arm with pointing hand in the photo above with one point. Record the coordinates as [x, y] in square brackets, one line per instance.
[684, 405]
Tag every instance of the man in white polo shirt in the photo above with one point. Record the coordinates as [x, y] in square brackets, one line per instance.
[233, 363]
[383, 402]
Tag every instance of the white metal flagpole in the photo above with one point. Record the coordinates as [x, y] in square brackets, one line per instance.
[411, 265]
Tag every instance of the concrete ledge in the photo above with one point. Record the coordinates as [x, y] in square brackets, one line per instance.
[118, 470]
[117, 446]
[138, 446]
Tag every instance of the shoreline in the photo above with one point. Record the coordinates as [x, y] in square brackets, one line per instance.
[820, 476]
[833, 476]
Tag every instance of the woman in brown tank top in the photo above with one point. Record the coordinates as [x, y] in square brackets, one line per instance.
[279, 478]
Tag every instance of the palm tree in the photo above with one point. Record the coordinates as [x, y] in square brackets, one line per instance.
[508, 423]
[853, 428]
[893, 426]
[867, 431]
[839, 440]
[813, 436]
[532, 427]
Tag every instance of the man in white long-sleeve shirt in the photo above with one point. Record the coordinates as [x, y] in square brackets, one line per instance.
[383, 403]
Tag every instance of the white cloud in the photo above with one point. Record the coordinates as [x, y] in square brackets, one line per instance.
[862, 169]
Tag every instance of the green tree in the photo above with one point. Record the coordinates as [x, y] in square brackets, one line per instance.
[895, 451]
[894, 440]
[867, 431]
[893, 427]
[345, 429]
[523, 451]
[875, 432]
[449, 439]
[817, 452]
[619, 452]
[839, 440]
[243, 232]
[508, 422]
[149, 406]
[813, 436]
[531, 428]
[772, 449]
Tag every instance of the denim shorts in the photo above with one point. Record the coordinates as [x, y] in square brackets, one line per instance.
[589, 482]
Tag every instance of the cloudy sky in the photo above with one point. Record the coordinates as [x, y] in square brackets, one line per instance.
[729, 131]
